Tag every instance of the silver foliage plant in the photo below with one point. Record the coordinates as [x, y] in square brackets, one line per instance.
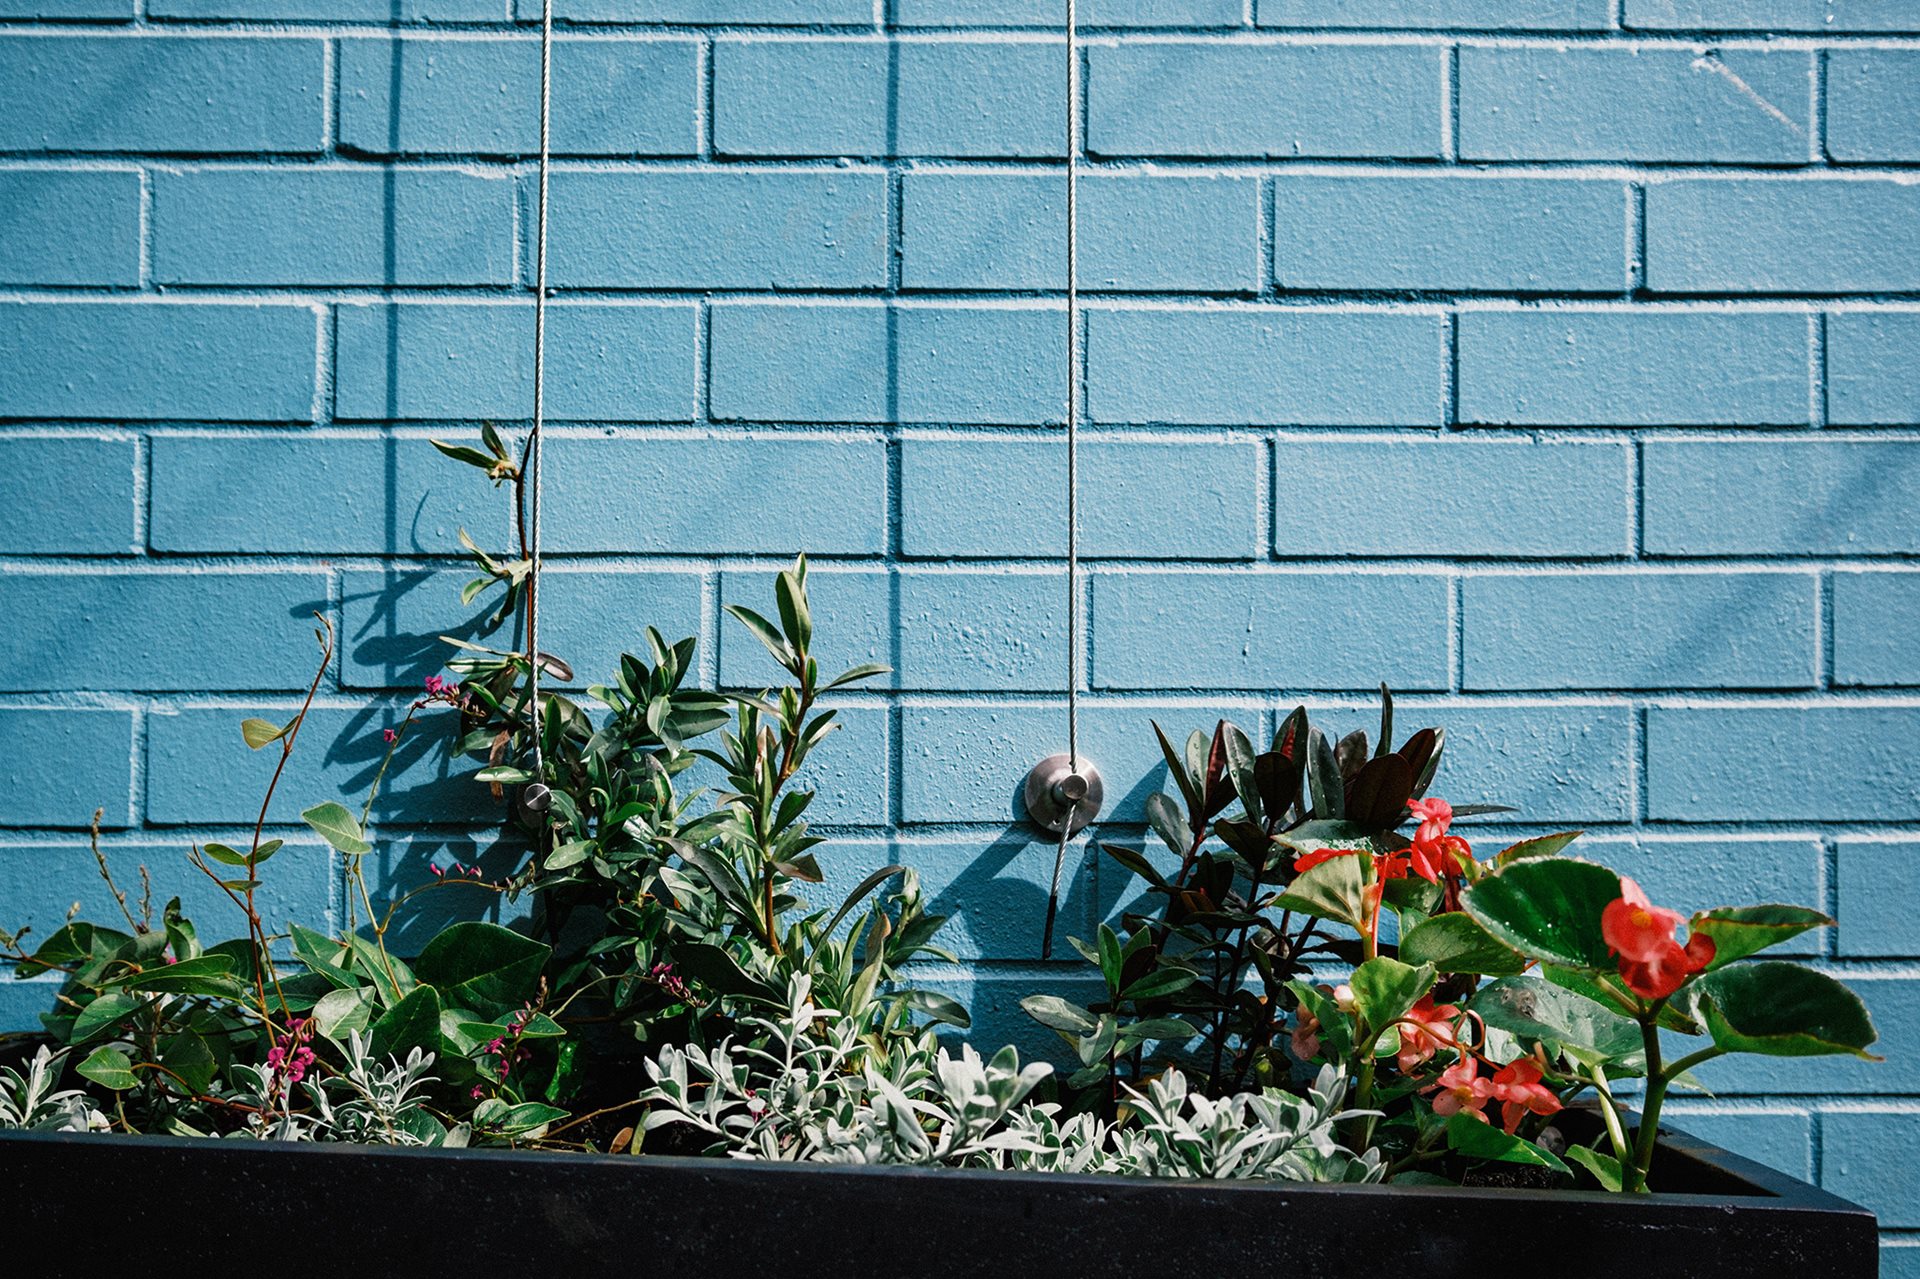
[373, 1102]
[814, 1090]
[29, 1101]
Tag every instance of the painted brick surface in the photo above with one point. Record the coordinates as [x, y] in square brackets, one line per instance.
[153, 360]
[1873, 105]
[1633, 368]
[97, 478]
[1635, 103]
[1502, 235]
[1477, 497]
[1876, 619]
[1760, 236]
[1798, 497]
[70, 228]
[175, 94]
[1640, 630]
[1551, 359]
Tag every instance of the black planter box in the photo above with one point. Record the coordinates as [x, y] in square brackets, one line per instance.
[107, 1204]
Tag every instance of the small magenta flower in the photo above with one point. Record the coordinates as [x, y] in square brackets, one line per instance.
[435, 868]
[436, 685]
[390, 736]
[477, 1093]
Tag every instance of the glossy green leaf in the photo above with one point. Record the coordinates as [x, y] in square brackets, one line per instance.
[1740, 931]
[1055, 1012]
[1324, 782]
[1168, 823]
[482, 966]
[1456, 943]
[1331, 890]
[1159, 984]
[1384, 989]
[1177, 770]
[210, 974]
[321, 955]
[412, 1023]
[1782, 1010]
[333, 823]
[339, 1012]
[1539, 846]
[1535, 1010]
[105, 1014]
[224, 855]
[1605, 1168]
[190, 1059]
[110, 1068]
[1548, 908]
[1477, 1140]
[939, 1007]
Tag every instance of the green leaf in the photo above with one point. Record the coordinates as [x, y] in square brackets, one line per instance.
[104, 1014]
[268, 847]
[1323, 777]
[1540, 846]
[1609, 993]
[1110, 957]
[333, 823]
[1136, 862]
[712, 967]
[482, 966]
[1605, 1168]
[465, 453]
[1159, 983]
[866, 670]
[412, 1023]
[1168, 823]
[1537, 1010]
[1053, 1011]
[224, 855]
[1384, 989]
[188, 1056]
[210, 974]
[1456, 943]
[1240, 759]
[1331, 890]
[1739, 931]
[258, 732]
[1477, 1140]
[340, 1011]
[766, 632]
[110, 1068]
[569, 854]
[796, 619]
[939, 1007]
[1177, 769]
[321, 955]
[1548, 908]
[1782, 1010]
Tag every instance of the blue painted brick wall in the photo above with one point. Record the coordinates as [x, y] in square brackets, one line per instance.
[1553, 359]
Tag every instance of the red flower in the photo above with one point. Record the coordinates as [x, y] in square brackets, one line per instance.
[1518, 1086]
[1642, 935]
[1435, 815]
[1461, 1088]
[1424, 1031]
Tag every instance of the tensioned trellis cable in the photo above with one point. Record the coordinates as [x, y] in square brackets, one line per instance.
[1073, 460]
[539, 385]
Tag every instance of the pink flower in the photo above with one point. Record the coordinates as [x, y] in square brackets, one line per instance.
[1461, 1088]
[1424, 1031]
[436, 685]
[1518, 1086]
[477, 1092]
[1642, 935]
[1435, 815]
[390, 736]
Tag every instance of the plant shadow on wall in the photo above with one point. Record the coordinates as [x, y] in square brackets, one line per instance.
[1317, 979]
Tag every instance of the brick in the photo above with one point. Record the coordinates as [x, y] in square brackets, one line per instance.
[1563, 764]
[1505, 498]
[1640, 630]
[988, 497]
[173, 94]
[792, 362]
[75, 10]
[615, 96]
[40, 881]
[1137, 233]
[621, 361]
[355, 226]
[784, 97]
[1051, 15]
[1486, 15]
[718, 229]
[1259, 630]
[1798, 763]
[391, 622]
[853, 624]
[1633, 368]
[1899, 1257]
[1876, 628]
[991, 365]
[1873, 105]
[1781, 1139]
[375, 12]
[775, 13]
[1825, 17]
[94, 478]
[1502, 235]
[1797, 497]
[153, 360]
[333, 495]
[1279, 101]
[980, 98]
[754, 496]
[1865, 1156]
[200, 772]
[1764, 236]
[1877, 878]
[159, 631]
[848, 772]
[991, 630]
[966, 761]
[58, 765]
[995, 889]
[1645, 105]
[1267, 366]
[1871, 376]
[1701, 872]
[66, 227]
